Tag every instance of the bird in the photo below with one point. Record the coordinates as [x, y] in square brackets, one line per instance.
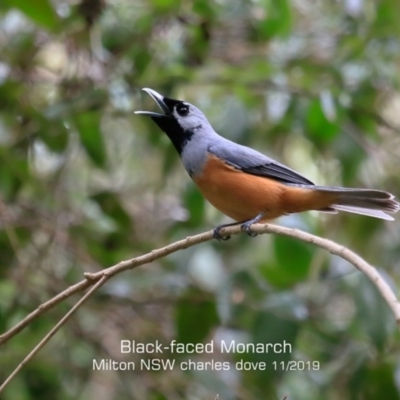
[246, 185]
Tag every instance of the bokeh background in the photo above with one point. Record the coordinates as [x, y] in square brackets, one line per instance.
[85, 183]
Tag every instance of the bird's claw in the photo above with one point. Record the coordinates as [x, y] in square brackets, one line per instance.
[246, 227]
[217, 234]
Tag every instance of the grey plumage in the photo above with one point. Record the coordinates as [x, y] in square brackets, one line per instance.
[254, 162]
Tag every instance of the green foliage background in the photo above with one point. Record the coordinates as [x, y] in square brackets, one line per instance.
[84, 183]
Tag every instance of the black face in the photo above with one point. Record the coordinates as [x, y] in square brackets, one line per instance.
[167, 121]
[170, 125]
[181, 108]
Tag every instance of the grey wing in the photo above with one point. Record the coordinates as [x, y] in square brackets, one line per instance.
[255, 163]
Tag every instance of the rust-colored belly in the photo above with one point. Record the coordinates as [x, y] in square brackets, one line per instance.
[243, 196]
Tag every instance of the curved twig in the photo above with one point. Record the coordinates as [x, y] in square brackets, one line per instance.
[99, 278]
[53, 331]
[326, 244]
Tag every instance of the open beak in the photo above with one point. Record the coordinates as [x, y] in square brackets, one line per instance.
[160, 102]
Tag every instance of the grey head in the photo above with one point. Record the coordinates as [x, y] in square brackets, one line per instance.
[181, 121]
[186, 126]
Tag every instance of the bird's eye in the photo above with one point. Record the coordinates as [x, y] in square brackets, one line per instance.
[182, 110]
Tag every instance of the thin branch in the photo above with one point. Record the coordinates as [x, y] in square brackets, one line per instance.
[53, 332]
[343, 252]
[98, 279]
[92, 278]
[326, 244]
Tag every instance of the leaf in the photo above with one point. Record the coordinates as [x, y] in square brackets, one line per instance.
[287, 269]
[164, 5]
[7, 254]
[194, 202]
[14, 172]
[111, 205]
[318, 125]
[195, 317]
[387, 19]
[54, 134]
[376, 381]
[373, 312]
[278, 21]
[281, 334]
[382, 383]
[39, 11]
[170, 156]
[351, 157]
[88, 125]
[204, 8]
[9, 92]
[106, 248]
[271, 328]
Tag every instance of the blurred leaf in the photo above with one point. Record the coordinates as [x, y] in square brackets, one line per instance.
[41, 380]
[374, 382]
[287, 270]
[272, 329]
[14, 172]
[165, 5]
[195, 317]
[88, 125]
[318, 126]
[351, 157]
[156, 395]
[363, 110]
[205, 8]
[111, 205]
[245, 290]
[197, 44]
[142, 59]
[257, 71]
[40, 11]
[285, 331]
[170, 159]
[382, 383]
[9, 184]
[9, 92]
[387, 22]
[106, 248]
[372, 307]
[278, 20]
[6, 255]
[54, 134]
[19, 52]
[194, 202]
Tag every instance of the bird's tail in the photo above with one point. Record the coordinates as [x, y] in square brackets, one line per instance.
[374, 203]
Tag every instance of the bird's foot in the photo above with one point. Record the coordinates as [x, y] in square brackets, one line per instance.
[246, 227]
[217, 235]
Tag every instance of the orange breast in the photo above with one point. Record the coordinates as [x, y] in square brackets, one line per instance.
[242, 196]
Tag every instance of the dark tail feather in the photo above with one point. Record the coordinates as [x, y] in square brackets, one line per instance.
[374, 203]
